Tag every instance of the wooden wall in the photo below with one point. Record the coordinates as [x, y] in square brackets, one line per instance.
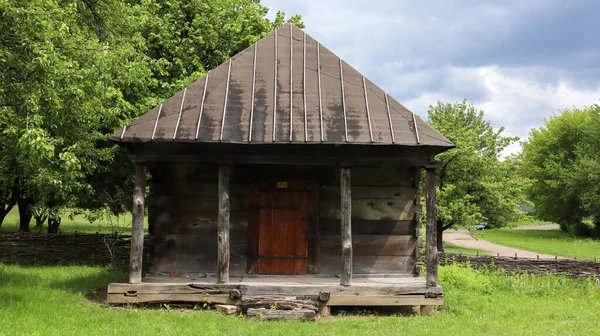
[183, 217]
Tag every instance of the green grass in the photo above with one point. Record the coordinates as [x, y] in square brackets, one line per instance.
[451, 248]
[553, 242]
[532, 222]
[52, 301]
[78, 224]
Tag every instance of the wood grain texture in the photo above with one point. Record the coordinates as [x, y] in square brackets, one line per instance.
[431, 230]
[223, 225]
[372, 245]
[346, 226]
[137, 229]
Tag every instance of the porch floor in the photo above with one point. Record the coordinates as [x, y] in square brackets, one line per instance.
[364, 291]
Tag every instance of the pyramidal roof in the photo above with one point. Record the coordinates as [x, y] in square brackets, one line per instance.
[286, 88]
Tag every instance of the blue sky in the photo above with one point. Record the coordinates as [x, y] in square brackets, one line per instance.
[518, 60]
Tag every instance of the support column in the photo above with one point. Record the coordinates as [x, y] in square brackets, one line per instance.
[431, 229]
[137, 225]
[346, 216]
[223, 225]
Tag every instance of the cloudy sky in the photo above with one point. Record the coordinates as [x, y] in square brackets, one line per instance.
[518, 60]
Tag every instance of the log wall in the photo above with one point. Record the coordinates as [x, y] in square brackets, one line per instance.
[183, 208]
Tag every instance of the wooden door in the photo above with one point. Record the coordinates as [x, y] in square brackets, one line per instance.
[283, 232]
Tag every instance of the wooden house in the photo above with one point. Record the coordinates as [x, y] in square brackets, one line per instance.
[286, 173]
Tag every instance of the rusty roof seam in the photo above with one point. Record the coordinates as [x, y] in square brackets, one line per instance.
[156, 122]
[343, 100]
[416, 129]
[202, 106]
[319, 82]
[180, 112]
[253, 91]
[387, 105]
[367, 106]
[304, 89]
[123, 133]
[275, 91]
[225, 100]
[291, 84]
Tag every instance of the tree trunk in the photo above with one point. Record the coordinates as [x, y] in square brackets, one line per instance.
[53, 224]
[25, 215]
[440, 231]
[40, 219]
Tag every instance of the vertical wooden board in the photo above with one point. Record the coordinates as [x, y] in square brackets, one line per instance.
[313, 229]
[239, 97]
[431, 231]
[333, 111]
[262, 124]
[297, 85]
[356, 115]
[191, 111]
[212, 113]
[346, 227]
[223, 252]
[312, 92]
[253, 229]
[283, 85]
[137, 229]
[380, 122]
[168, 117]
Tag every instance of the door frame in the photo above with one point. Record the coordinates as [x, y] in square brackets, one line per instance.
[256, 187]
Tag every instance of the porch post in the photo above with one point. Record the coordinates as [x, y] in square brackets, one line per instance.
[431, 229]
[223, 225]
[345, 216]
[137, 225]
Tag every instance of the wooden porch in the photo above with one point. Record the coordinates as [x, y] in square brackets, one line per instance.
[324, 291]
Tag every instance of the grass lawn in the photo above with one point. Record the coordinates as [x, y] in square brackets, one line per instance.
[78, 224]
[533, 222]
[52, 301]
[554, 242]
[451, 248]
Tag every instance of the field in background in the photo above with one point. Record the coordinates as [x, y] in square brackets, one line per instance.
[78, 223]
[532, 222]
[451, 248]
[52, 301]
[553, 242]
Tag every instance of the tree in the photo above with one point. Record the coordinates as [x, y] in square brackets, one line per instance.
[73, 71]
[561, 158]
[474, 185]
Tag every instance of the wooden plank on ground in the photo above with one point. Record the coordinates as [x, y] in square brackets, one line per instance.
[361, 299]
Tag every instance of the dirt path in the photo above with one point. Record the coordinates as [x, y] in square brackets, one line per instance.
[464, 239]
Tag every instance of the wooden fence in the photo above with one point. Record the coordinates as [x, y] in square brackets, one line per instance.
[99, 249]
[571, 267]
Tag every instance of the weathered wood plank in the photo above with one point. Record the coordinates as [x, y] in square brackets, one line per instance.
[137, 229]
[313, 229]
[114, 298]
[331, 226]
[223, 225]
[281, 315]
[372, 245]
[361, 299]
[195, 204]
[371, 193]
[369, 264]
[281, 304]
[375, 209]
[431, 229]
[346, 226]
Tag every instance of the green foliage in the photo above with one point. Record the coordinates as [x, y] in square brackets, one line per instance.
[73, 71]
[475, 185]
[561, 157]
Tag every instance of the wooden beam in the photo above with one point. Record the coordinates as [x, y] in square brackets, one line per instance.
[431, 229]
[137, 225]
[223, 225]
[346, 226]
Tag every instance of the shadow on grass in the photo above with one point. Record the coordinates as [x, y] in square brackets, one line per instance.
[355, 311]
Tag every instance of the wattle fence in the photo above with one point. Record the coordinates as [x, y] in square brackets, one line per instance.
[101, 249]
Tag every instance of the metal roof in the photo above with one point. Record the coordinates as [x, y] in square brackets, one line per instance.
[319, 98]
